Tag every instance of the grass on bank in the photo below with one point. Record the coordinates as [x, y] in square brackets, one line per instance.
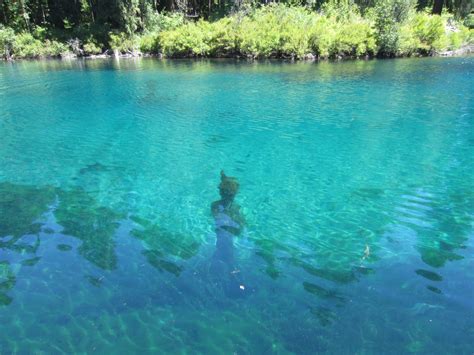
[392, 28]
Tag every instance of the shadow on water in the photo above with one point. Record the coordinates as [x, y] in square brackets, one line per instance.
[75, 213]
[453, 221]
[78, 214]
[161, 245]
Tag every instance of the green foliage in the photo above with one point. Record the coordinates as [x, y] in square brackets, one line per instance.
[389, 16]
[274, 31]
[322, 37]
[7, 38]
[157, 22]
[427, 34]
[469, 21]
[386, 28]
[259, 34]
[123, 42]
[355, 39]
[92, 47]
[199, 39]
[26, 46]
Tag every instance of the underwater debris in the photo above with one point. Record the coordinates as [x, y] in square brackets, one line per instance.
[366, 252]
[324, 315]
[31, 262]
[322, 292]
[434, 289]
[7, 281]
[94, 281]
[64, 247]
[422, 308]
[164, 242]
[155, 258]
[430, 275]
[96, 168]
[369, 193]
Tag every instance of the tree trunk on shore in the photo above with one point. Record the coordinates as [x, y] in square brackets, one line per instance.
[437, 7]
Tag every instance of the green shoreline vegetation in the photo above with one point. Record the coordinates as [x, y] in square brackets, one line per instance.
[178, 28]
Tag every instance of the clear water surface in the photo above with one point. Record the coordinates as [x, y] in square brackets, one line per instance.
[356, 185]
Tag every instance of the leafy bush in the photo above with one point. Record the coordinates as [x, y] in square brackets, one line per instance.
[123, 42]
[7, 39]
[259, 34]
[391, 28]
[430, 32]
[157, 22]
[26, 46]
[92, 47]
[186, 40]
[322, 37]
[355, 39]
[149, 43]
[273, 31]
[295, 32]
[389, 16]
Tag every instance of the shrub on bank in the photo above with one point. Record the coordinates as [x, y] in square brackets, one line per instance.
[425, 34]
[392, 28]
[273, 31]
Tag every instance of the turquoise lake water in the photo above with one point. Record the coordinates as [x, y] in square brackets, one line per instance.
[356, 186]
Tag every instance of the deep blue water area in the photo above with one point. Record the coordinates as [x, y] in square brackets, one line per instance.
[352, 230]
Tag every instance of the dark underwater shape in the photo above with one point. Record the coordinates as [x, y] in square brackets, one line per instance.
[5, 300]
[31, 262]
[155, 258]
[21, 206]
[94, 281]
[322, 292]
[163, 242]
[434, 289]
[398, 126]
[7, 282]
[228, 223]
[325, 315]
[96, 168]
[369, 193]
[430, 275]
[64, 247]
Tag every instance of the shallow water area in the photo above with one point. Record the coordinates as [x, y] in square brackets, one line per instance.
[356, 188]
